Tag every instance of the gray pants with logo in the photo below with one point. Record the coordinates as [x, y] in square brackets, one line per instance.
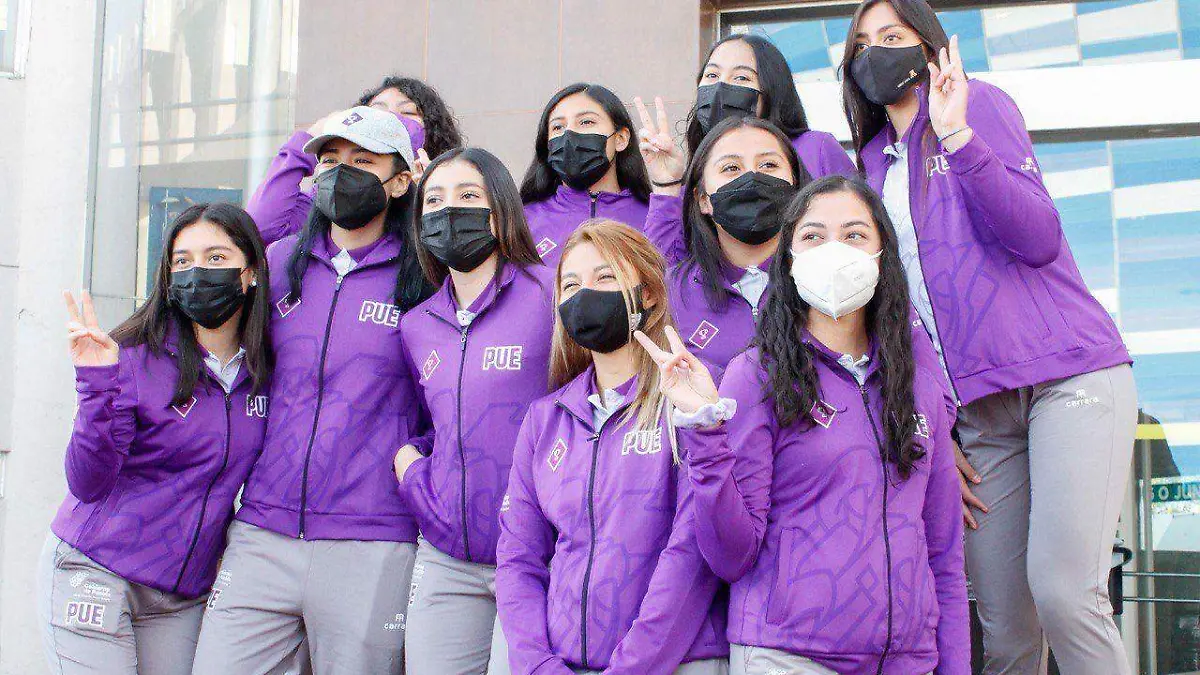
[452, 617]
[1054, 461]
[750, 660]
[274, 594]
[705, 667]
[94, 621]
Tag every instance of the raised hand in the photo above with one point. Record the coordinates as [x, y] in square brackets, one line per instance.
[948, 96]
[421, 161]
[89, 345]
[683, 379]
[665, 162]
[319, 126]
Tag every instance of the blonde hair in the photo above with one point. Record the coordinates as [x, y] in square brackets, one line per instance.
[630, 253]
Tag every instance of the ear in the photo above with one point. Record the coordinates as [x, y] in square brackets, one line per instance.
[400, 184]
[621, 139]
[705, 202]
[648, 300]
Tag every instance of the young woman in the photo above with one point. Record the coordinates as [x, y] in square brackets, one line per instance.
[744, 75]
[281, 204]
[599, 568]
[1047, 392]
[841, 533]
[742, 175]
[480, 352]
[585, 165]
[323, 545]
[172, 410]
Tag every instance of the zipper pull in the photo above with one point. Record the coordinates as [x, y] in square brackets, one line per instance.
[463, 341]
[339, 281]
[228, 402]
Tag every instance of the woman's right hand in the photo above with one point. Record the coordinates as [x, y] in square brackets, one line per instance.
[683, 378]
[319, 125]
[968, 476]
[665, 162]
[89, 345]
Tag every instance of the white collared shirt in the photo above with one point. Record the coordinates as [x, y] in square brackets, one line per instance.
[752, 285]
[226, 373]
[603, 409]
[343, 262]
[857, 367]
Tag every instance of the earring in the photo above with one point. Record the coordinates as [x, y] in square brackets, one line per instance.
[253, 283]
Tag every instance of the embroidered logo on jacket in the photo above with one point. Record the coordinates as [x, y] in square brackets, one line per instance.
[88, 614]
[1030, 165]
[502, 358]
[545, 246]
[642, 442]
[431, 363]
[937, 164]
[256, 406]
[505, 504]
[922, 426]
[186, 408]
[703, 334]
[285, 305]
[556, 454]
[379, 313]
[823, 413]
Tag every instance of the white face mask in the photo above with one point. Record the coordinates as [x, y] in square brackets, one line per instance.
[835, 278]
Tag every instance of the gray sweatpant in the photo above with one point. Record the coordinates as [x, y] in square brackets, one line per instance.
[750, 660]
[94, 621]
[451, 617]
[1054, 460]
[705, 667]
[346, 599]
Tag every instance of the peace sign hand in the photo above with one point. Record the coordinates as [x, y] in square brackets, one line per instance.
[664, 159]
[89, 345]
[948, 96]
[420, 162]
[683, 379]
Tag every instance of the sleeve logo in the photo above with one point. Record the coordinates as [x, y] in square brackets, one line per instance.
[922, 426]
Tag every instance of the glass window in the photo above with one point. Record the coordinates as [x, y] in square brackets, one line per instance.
[195, 98]
[14, 36]
[998, 38]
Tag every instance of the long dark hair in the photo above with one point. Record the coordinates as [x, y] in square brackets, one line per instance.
[441, 130]
[512, 232]
[781, 103]
[699, 230]
[541, 182]
[411, 287]
[152, 322]
[793, 385]
[867, 119]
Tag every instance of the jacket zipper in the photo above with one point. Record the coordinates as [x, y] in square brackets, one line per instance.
[593, 196]
[208, 493]
[312, 437]
[887, 543]
[591, 505]
[925, 284]
[462, 455]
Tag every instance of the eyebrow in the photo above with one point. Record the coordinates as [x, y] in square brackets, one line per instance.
[210, 249]
[728, 156]
[819, 226]
[862, 34]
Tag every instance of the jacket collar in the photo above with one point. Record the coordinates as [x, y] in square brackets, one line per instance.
[445, 306]
[385, 250]
[831, 358]
[730, 273]
[171, 347]
[569, 195]
[574, 396]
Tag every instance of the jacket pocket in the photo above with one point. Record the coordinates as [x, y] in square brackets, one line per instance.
[777, 603]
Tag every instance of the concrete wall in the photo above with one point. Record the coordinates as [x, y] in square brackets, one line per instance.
[497, 63]
[44, 164]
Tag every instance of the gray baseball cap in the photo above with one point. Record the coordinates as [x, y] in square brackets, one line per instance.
[372, 129]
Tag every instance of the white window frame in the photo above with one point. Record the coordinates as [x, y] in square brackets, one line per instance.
[20, 51]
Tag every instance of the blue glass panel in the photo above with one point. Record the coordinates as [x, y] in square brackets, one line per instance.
[1129, 46]
[1094, 7]
[1145, 162]
[968, 26]
[1088, 225]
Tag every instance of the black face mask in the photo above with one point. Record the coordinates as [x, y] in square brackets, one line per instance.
[885, 73]
[207, 295]
[350, 196]
[715, 102]
[579, 159]
[748, 206]
[598, 320]
[460, 237]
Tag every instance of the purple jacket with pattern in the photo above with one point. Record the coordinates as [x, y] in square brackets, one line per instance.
[831, 555]
[1010, 305]
[477, 383]
[343, 403]
[151, 484]
[553, 219]
[599, 566]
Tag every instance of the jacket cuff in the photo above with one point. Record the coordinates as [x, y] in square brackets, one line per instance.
[97, 378]
[704, 445]
[669, 206]
[295, 146]
[970, 156]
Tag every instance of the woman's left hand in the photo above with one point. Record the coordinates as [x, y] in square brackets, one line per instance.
[404, 459]
[682, 377]
[948, 92]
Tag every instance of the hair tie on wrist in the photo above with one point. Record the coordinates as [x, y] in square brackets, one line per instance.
[943, 139]
[673, 183]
